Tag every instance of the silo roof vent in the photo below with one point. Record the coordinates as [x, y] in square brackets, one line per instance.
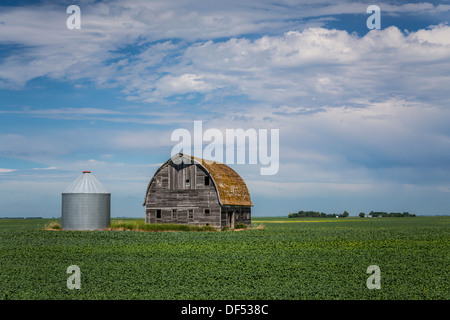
[86, 183]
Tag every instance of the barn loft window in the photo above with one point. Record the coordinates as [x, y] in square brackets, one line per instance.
[158, 213]
[174, 213]
[188, 183]
[207, 181]
[191, 213]
[207, 211]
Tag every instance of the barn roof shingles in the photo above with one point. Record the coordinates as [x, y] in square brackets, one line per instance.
[230, 186]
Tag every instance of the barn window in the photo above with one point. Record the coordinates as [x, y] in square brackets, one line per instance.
[188, 183]
[158, 213]
[174, 213]
[207, 211]
[207, 181]
[191, 213]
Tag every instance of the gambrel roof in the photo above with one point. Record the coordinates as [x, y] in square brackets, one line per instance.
[231, 188]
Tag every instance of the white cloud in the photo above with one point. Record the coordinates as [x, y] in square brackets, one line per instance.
[439, 35]
[323, 65]
[185, 83]
[48, 48]
[303, 63]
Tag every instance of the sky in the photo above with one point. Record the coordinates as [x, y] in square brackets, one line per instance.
[363, 114]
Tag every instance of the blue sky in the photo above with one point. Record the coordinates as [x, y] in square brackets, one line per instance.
[363, 114]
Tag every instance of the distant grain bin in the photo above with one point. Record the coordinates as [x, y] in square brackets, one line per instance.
[86, 204]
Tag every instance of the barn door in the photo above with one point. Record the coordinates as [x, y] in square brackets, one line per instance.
[230, 219]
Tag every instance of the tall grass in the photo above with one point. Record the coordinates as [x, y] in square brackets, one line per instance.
[139, 225]
[52, 226]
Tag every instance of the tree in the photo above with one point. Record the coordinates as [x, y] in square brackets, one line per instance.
[362, 214]
[345, 214]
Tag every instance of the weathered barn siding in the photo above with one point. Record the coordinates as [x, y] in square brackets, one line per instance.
[194, 195]
[197, 193]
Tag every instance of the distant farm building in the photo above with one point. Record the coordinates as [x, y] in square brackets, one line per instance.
[190, 190]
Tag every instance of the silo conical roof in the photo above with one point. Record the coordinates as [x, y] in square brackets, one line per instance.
[86, 183]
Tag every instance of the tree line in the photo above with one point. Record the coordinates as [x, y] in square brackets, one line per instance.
[375, 214]
[302, 214]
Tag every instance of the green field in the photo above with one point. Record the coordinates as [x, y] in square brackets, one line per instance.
[299, 259]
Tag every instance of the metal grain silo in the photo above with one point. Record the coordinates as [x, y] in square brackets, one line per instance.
[86, 204]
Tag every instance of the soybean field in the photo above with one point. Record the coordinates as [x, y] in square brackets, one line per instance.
[289, 259]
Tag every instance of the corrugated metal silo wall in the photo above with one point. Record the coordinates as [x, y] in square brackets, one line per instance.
[86, 211]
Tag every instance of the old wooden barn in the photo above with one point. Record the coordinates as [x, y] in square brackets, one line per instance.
[190, 190]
